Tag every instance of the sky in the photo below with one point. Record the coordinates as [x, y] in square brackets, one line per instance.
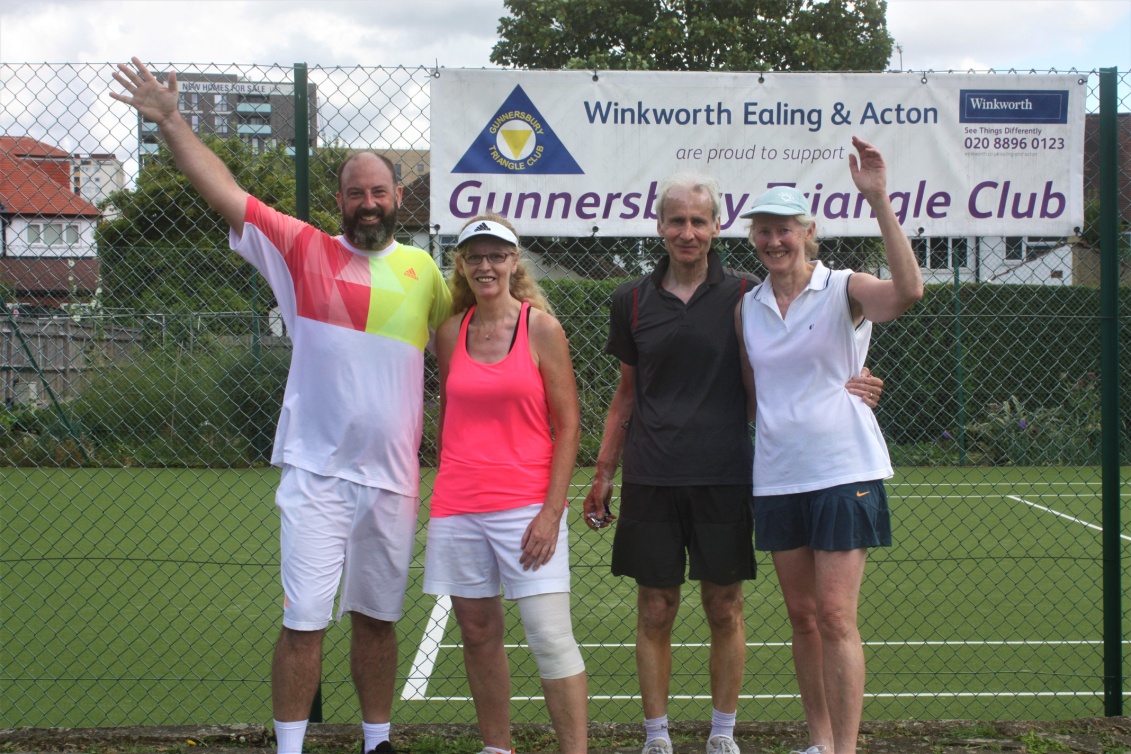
[69, 106]
[931, 34]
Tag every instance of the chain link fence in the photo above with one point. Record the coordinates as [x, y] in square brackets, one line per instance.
[142, 366]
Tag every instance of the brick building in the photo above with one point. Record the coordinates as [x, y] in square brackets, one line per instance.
[261, 113]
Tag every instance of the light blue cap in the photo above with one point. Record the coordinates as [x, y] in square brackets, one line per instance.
[780, 200]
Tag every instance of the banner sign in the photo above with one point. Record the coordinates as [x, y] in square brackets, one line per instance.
[581, 153]
[262, 88]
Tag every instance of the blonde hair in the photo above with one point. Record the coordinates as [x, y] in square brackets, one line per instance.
[812, 248]
[523, 286]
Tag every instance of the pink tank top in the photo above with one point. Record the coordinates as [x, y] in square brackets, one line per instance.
[497, 445]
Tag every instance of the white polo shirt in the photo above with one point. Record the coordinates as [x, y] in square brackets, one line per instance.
[811, 433]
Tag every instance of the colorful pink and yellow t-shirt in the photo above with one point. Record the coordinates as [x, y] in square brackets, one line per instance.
[359, 322]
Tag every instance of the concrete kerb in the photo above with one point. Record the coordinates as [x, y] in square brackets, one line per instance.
[1110, 735]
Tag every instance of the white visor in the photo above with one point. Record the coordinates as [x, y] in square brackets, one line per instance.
[487, 228]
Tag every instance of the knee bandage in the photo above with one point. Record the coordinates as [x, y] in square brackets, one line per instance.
[549, 634]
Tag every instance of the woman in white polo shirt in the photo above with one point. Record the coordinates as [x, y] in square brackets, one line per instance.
[819, 457]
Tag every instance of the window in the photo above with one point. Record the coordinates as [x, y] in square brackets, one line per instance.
[1038, 245]
[958, 250]
[195, 120]
[221, 124]
[1013, 248]
[188, 101]
[220, 103]
[48, 234]
[940, 253]
[1018, 248]
[919, 246]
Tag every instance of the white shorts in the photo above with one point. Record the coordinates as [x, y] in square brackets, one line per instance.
[474, 554]
[331, 527]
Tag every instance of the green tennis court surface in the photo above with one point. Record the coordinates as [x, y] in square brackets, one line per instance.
[151, 596]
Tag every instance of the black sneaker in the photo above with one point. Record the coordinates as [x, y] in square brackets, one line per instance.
[385, 747]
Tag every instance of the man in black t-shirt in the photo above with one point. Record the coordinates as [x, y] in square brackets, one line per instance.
[679, 416]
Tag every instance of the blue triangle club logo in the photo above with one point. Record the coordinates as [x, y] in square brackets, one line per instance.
[518, 140]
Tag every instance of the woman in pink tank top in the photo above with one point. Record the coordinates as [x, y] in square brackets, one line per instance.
[508, 438]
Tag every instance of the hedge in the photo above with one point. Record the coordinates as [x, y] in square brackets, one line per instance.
[1029, 357]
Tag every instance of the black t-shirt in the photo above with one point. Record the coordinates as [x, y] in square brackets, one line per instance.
[688, 423]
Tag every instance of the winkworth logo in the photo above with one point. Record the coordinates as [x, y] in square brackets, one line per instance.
[518, 140]
[1013, 106]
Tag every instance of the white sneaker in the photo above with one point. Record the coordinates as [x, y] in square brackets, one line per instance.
[721, 745]
[814, 749]
[657, 746]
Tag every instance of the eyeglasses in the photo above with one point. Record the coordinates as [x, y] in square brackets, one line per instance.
[495, 257]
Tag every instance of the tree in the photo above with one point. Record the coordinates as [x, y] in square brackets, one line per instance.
[168, 252]
[695, 35]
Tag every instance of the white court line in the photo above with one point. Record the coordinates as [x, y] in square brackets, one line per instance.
[779, 644]
[416, 685]
[1095, 487]
[1062, 515]
[980, 496]
[771, 697]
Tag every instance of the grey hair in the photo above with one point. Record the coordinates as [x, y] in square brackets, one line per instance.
[692, 182]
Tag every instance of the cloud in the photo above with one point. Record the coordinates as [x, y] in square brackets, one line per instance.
[1038, 34]
[337, 32]
[937, 34]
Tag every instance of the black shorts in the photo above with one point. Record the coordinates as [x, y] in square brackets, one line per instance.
[659, 527]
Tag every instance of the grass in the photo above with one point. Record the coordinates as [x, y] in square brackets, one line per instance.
[145, 596]
[1035, 743]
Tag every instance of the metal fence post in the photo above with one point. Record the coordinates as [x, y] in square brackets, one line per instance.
[958, 374]
[302, 211]
[302, 144]
[1109, 398]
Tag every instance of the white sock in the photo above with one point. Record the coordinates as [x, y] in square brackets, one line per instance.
[290, 735]
[722, 724]
[497, 750]
[374, 734]
[656, 727]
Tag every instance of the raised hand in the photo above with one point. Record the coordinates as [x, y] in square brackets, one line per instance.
[150, 97]
[869, 172]
[205, 171]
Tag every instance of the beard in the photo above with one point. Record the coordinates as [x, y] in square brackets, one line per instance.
[370, 237]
